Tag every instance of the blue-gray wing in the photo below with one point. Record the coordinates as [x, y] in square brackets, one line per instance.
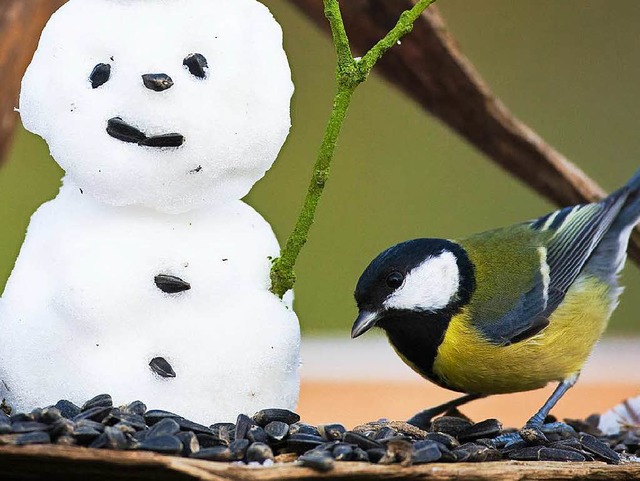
[573, 233]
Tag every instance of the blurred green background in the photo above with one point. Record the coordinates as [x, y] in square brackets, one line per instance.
[570, 70]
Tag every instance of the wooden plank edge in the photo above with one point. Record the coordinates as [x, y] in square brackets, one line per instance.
[71, 463]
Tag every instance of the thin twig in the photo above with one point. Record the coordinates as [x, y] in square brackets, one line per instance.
[430, 69]
[349, 74]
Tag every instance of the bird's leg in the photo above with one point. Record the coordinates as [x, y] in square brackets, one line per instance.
[423, 418]
[537, 420]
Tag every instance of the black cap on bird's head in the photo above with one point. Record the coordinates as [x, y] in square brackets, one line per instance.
[416, 276]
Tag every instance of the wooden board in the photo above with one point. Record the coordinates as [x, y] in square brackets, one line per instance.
[68, 464]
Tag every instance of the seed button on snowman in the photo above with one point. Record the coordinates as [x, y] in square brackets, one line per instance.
[147, 277]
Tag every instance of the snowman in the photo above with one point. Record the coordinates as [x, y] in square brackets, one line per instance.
[147, 277]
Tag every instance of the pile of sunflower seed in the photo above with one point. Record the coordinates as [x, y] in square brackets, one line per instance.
[274, 432]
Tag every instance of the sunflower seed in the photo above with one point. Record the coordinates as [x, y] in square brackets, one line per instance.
[443, 438]
[320, 461]
[28, 427]
[450, 425]
[186, 425]
[97, 414]
[343, 452]
[264, 417]
[156, 415]
[209, 441]
[50, 415]
[301, 443]
[332, 432]
[136, 407]
[67, 409]
[385, 433]
[134, 421]
[165, 140]
[243, 423]
[196, 63]
[303, 428]
[102, 400]
[376, 454]
[166, 427]
[22, 418]
[277, 430]
[62, 427]
[120, 130]
[162, 368]
[256, 434]
[360, 440]
[88, 423]
[216, 453]
[529, 453]
[259, 452]
[100, 75]
[32, 438]
[190, 443]
[238, 449]
[162, 444]
[85, 435]
[158, 82]
[597, 447]
[553, 454]
[489, 428]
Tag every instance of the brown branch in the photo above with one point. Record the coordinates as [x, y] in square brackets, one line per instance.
[67, 464]
[429, 68]
[21, 22]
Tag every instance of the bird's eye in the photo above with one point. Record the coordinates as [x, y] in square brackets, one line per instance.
[196, 63]
[395, 280]
[100, 75]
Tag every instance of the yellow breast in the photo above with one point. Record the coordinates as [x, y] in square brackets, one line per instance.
[468, 363]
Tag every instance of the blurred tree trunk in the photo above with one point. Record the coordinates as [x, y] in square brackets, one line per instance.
[21, 22]
[429, 68]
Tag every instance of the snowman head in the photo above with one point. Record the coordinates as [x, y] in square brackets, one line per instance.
[168, 104]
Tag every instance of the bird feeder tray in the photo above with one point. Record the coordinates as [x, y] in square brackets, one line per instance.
[70, 463]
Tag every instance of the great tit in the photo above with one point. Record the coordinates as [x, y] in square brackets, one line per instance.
[507, 310]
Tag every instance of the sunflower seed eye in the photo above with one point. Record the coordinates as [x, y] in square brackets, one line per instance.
[100, 75]
[196, 63]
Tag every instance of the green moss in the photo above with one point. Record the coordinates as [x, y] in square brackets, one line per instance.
[350, 73]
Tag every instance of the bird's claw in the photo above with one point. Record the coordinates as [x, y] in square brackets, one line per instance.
[533, 434]
[560, 428]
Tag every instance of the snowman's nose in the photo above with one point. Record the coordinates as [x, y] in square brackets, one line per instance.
[158, 82]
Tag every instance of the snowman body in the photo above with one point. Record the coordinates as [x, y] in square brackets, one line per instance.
[147, 252]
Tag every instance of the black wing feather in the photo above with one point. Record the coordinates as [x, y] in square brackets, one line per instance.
[576, 232]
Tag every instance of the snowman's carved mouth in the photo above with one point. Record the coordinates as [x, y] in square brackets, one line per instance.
[119, 129]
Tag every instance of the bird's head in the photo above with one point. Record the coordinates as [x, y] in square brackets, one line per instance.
[414, 277]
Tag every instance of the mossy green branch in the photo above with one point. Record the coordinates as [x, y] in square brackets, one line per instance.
[350, 73]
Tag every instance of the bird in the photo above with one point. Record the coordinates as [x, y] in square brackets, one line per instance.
[506, 310]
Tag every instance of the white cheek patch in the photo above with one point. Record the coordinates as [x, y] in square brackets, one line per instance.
[428, 287]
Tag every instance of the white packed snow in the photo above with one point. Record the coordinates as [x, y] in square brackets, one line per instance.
[82, 313]
[234, 121]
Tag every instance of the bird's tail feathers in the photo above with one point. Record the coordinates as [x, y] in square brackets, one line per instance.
[634, 183]
[630, 212]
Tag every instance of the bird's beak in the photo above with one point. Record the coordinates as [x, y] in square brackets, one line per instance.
[365, 321]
